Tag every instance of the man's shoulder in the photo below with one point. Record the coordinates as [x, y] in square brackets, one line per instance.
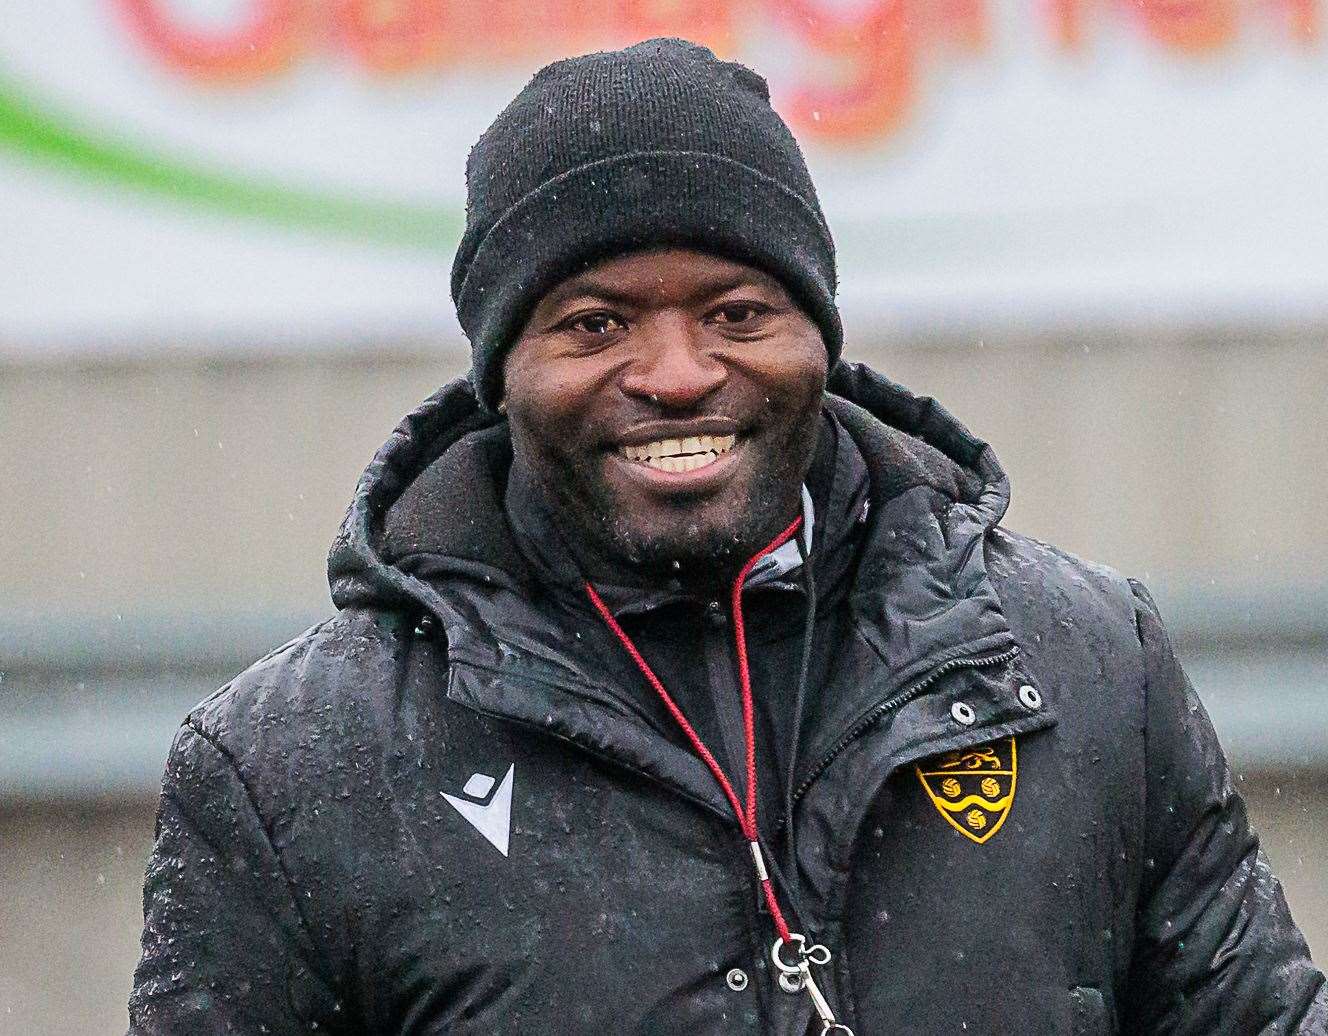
[1038, 567]
[1054, 597]
[323, 677]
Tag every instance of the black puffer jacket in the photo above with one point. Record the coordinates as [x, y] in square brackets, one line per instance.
[443, 810]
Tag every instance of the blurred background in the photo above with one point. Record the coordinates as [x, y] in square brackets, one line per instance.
[1096, 230]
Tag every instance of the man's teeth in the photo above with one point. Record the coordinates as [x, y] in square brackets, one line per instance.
[696, 451]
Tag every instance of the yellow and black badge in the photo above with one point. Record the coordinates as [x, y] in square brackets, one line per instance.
[974, 788]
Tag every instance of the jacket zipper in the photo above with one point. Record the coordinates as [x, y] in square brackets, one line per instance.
[873, 715]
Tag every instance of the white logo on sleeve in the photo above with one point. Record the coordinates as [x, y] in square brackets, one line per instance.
[489, 812]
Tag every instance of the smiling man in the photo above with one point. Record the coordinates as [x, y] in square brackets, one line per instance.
[684, 679]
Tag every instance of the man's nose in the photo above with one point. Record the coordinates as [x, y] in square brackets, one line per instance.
[671, 367]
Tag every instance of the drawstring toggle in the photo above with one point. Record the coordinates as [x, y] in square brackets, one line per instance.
[761, 873]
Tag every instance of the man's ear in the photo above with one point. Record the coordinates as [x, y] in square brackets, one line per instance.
[502, 405]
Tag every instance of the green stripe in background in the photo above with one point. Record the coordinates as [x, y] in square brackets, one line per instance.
[39, 135]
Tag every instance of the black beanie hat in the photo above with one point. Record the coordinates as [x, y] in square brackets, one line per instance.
[655, 145]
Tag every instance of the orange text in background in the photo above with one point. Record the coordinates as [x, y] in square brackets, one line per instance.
[867, 56]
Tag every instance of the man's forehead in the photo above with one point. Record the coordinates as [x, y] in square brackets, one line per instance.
[671, 274]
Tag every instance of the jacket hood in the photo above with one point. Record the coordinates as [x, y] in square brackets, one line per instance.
[428, 507]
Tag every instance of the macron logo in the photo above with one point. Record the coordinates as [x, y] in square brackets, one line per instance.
[489, 812]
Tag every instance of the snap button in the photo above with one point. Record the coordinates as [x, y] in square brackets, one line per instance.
[962, 712]
[1028, 694]
[715, 614]
[737, 980]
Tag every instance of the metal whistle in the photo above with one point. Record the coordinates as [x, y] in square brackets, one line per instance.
[794, 978]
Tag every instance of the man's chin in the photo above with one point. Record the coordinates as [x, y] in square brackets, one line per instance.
[711, 540]
[708, 554]
[697, 538]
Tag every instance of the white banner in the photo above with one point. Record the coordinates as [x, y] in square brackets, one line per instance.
[289, 173]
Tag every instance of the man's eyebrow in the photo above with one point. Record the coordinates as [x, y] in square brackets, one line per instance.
[586, 286]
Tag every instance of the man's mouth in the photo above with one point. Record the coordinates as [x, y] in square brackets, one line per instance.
[678, 455]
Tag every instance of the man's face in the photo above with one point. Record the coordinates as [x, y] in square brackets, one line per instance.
[669, 401]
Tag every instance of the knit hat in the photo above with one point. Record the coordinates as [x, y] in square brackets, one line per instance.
[659, 144]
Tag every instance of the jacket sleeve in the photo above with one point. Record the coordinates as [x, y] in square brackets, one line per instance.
[1215, 948]
[224, 946]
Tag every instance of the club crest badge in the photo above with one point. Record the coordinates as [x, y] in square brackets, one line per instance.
[972, 789]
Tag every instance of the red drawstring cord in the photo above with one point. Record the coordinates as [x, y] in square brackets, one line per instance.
[746, 815]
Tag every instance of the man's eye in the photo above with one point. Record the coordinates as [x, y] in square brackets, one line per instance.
[596, 323]
[738, 312]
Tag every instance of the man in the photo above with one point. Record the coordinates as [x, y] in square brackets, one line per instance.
[684, 679]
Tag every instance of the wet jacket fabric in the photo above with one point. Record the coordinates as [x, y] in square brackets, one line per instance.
[453, 807]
